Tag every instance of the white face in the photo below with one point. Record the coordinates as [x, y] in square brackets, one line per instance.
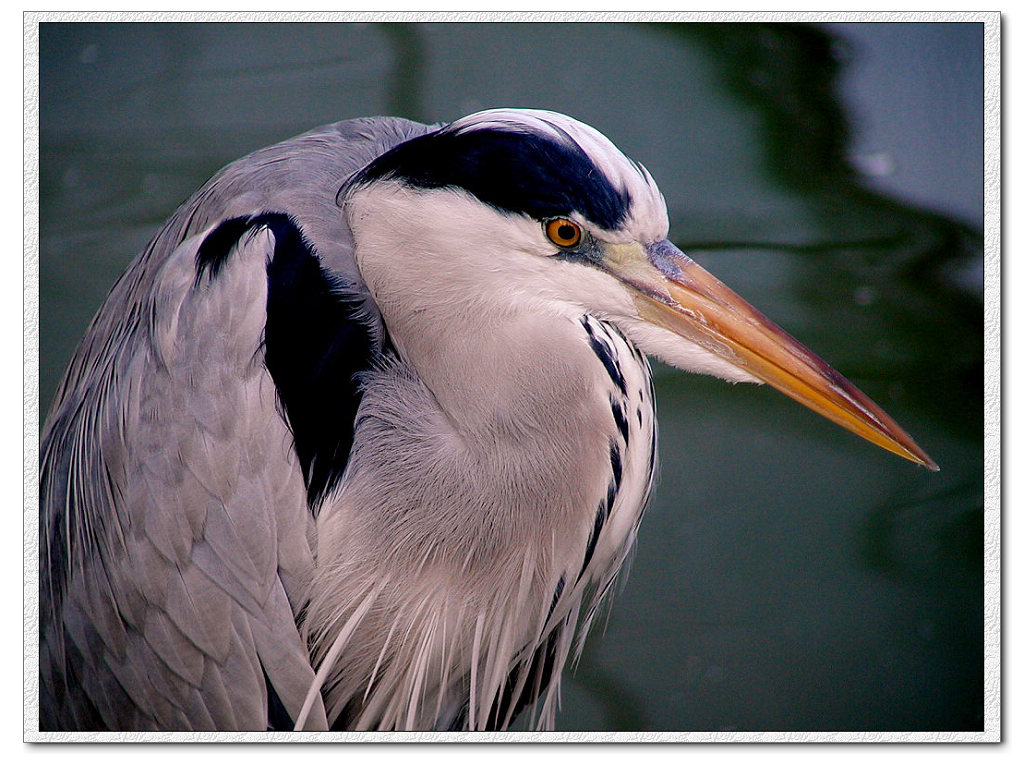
[439, 237]
[410, 239]
[431, 256]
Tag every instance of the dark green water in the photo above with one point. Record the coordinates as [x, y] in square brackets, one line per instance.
[788, 575]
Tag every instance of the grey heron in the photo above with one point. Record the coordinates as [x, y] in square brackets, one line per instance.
[363, 438]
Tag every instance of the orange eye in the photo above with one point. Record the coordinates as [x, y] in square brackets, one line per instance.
[563, 232]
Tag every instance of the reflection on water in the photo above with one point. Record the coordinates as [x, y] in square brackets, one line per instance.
[787, 577]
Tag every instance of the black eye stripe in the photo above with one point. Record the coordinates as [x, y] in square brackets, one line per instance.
[512, 170]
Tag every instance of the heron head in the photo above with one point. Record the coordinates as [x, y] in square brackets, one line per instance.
[515, 209]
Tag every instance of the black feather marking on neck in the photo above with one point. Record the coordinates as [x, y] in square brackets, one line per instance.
[315, 345]
[512, 170]
[557, 594]
[616, 460]
[599, 518]
[540, 668]
[606, 353]
[621, 421]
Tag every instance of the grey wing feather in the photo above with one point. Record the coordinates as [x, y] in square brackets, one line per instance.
[175, 537]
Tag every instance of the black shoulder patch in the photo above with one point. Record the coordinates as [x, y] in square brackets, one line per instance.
[215, 248]
[515, 171]
[315, 346]
[277, 716]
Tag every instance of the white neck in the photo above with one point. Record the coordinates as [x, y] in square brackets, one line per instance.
[480, 459]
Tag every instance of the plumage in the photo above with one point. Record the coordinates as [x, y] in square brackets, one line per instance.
[358, 442]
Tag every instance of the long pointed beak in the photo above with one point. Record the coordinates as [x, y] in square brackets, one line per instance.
[675, 293]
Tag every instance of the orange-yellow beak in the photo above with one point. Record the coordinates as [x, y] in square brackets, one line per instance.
[676, 294]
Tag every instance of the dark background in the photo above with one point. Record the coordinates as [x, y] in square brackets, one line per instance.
[788, 577]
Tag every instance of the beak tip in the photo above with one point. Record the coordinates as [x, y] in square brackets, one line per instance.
[897, 441]
[916, 454]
